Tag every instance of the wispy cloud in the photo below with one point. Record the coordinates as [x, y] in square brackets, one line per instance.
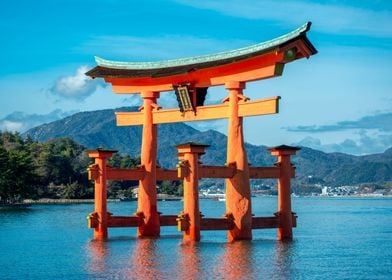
[381, 122]
[153, 48]
[366, 143]
[77, 86]
[21, 122]
[132, 100]
[328, 18]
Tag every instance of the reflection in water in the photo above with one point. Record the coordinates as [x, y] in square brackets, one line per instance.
[189, 261]
[97, 250]
[145, 260]
[163, 259]
[236, 261]
[283, 260]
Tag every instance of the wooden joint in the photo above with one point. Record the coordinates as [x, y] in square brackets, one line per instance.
[140, 214]
[183, 169]
[156, 106]
[243, 97]
[183, 221]
[226, 99]
[230, 220]
[93, 172]
[92, 220]
[233, 167]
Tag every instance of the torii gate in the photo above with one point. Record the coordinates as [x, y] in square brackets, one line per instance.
[190, 79]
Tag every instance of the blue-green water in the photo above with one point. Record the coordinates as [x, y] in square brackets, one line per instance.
[336, 238]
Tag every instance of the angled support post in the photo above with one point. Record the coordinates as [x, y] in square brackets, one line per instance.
[189, 219]
[238, 197]
[98, 172]
[285, 215]
[147, 197]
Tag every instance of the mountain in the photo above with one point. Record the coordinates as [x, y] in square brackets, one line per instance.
[98, 129]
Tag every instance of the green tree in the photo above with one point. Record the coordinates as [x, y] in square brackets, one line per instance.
[18, 177]
[4, 174]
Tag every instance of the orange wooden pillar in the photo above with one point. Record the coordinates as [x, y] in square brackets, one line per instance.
[189, 154]
[285, 230]
[238, 197]
[147, 196]
[97, 172]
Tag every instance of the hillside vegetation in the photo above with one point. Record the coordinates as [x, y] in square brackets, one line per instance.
[53, 169]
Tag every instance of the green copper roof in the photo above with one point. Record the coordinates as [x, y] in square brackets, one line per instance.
[258, 48]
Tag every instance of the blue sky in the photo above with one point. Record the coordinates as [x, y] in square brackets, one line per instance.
[338, 100]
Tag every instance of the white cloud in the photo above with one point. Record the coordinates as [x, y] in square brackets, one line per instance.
[21, 122]
[77, 86]
[328, 18]
[10, 126]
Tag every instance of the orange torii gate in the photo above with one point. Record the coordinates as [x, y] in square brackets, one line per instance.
[190, 79]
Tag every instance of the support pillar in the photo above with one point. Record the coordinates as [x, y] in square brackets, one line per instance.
[238, 197]
[97, 172]
[285, 230]
[189, 154]
[147, 196]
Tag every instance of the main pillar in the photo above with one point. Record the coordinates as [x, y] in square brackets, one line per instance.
[147, 196]
[100, 196]
[285, 230]
[238, 197]
[189, 154]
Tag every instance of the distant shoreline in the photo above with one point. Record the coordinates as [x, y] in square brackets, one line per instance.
[91, 201]
[64, 201]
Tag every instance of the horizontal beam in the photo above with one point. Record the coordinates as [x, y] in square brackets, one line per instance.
[134, 221]
[168, 220]
[124, 221]
[251, 75]
[167, 174]
[205, 223]
[257, 68]
[210, 112]
[206, 171]
[265, 222]
[136, 174]
[215, 224]
[125, 173]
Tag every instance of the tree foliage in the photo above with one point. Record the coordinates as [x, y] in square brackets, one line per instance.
[17, 172]
[54, 169]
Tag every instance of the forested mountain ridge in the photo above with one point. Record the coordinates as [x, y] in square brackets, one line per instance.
[98, 129]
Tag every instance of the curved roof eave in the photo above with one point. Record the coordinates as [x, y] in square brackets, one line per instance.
[258, 48]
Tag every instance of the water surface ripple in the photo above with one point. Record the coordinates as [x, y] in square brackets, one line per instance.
[336, 238]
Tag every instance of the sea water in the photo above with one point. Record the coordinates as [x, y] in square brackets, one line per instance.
[335, 238]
